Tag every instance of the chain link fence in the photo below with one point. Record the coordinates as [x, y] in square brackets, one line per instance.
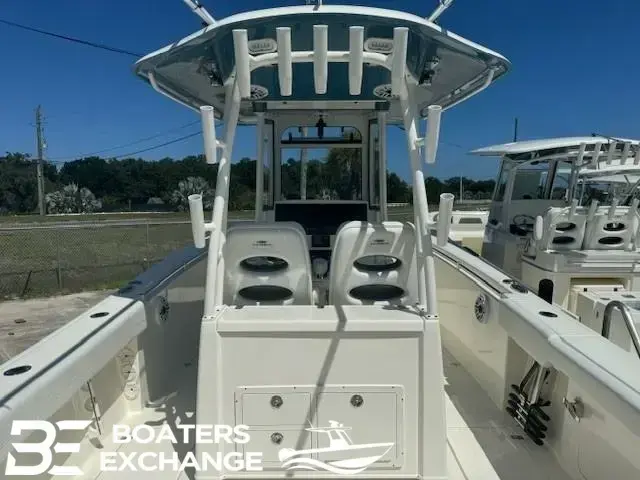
[59, 258]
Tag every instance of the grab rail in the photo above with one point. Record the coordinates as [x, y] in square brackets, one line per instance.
[626, 316]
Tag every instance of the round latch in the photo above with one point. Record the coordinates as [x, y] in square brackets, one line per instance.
[481, 308]
[277, 438]
[357, 401]
[276, 401]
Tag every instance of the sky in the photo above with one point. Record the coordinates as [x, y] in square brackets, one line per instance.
[574, 71]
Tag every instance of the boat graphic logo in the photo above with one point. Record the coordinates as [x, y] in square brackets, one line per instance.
[341, 457]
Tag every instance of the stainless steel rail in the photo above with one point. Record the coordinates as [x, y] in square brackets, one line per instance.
[626, 316]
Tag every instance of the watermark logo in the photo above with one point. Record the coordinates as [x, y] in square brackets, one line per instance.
[347, 458]
[132, 461]
[341, 457]
[45, 448]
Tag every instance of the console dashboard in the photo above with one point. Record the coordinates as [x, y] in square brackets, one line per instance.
[320, 220]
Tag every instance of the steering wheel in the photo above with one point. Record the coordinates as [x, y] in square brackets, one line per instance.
[522, 224]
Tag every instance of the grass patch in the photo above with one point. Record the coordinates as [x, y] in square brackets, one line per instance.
[37, 258]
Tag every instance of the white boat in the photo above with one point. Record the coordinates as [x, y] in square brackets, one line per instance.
[467, 227]
[223, 354]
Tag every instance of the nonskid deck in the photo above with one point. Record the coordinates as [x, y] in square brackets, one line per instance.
[483, 441]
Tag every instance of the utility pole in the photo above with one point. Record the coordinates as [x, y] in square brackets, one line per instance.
[40, 160]
[515, 130]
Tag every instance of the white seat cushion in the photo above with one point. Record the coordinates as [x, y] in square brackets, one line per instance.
[611, 233]
[267, 264]
[374, 264]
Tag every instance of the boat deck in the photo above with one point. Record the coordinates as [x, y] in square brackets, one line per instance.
[483, 442]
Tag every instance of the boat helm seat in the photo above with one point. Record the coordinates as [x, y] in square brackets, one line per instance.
[266, 264]
[563, 231]
[611, 232]
[374, 264]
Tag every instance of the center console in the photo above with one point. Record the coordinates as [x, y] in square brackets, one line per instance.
[320, 220]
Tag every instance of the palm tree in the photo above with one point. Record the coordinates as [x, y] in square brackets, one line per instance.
[191, 186]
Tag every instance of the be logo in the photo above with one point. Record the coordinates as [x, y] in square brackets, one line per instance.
[45, 448]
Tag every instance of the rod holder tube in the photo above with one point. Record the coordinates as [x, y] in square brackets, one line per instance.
[444, 218]
[209, 134]
[399, 59]
[430, 147]
[593, 208]
[243, 67]
[356, 54]
[573, 208]
[612, 209]
[596, 154]
[320, 59]
[625, 153]
[610, 152]
[285, 65]
[196, 211]
[583, 148]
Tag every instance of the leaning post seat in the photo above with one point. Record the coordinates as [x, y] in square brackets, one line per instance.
[563, 228]
[266, 264]
[612, 228]
[374, 264]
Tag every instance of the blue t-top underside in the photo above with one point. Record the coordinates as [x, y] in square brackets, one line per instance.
[195, 69]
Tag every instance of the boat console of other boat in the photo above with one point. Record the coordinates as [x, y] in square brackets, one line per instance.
[322, 317]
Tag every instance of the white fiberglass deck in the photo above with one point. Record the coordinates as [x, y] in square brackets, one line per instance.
[483, 442]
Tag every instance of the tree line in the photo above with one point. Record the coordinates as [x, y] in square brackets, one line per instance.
[100, 184]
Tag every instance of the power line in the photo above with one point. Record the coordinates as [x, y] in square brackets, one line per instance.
[71, 39]
[89, 154]
[176, 140]
[161, 145]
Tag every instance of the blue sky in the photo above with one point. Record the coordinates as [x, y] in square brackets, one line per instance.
[575, 71]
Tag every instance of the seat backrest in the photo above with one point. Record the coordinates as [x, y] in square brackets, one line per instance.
[266, 264]
[611, 232]
[374, 264]
[562, 230]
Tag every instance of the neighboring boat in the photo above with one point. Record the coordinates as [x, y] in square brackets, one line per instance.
[467, 227]
[548, 176]
[321, 309]
[565, 220]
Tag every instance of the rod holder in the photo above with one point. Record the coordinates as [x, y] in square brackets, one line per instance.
[596, 154]
[243, 68]
[573, 208]
[399, 59]
[583, 148]
[356, 55]
[593, 208]
[612, 209]
[198, 225]
[320, 58]
[625, 153]
[610, 152]
[444, 218]
[209, 134]
[285, 62]
[636, 160]
[430, 147]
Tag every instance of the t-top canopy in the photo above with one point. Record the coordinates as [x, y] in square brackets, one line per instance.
[447, 68]
[593, 150]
